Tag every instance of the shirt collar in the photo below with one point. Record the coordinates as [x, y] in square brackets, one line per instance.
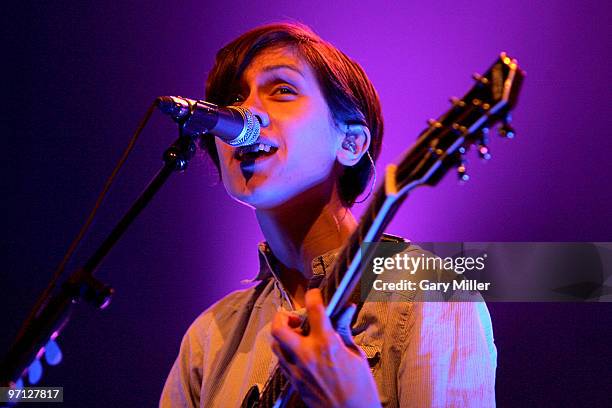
[320, 264]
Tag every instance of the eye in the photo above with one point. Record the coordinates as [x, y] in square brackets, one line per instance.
[236, 99]
[284, 90]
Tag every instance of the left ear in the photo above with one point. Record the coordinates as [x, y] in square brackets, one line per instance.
[353, 144]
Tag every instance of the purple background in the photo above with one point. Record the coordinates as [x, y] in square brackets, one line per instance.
[81, 76]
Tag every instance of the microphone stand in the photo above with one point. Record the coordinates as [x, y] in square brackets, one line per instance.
[81, 284]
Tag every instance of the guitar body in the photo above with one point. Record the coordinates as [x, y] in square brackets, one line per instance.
[251, 399]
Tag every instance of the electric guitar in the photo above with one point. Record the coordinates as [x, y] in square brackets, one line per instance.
[439, 148]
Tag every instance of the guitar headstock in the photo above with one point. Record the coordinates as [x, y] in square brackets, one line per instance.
[443, 144]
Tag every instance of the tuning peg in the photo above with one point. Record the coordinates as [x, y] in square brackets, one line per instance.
[35, 372]
[458, 129]
[483, 145]
[434, 123]
[456, 102]
[53, 354]
[507, 131]
[480, 78]
[483, 152]
[462, 172]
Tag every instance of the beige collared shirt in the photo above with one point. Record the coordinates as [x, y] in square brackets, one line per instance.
[421, 353]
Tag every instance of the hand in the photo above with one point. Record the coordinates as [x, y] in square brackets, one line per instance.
[327, 370]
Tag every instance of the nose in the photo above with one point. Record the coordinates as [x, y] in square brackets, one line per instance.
[258, 111]
[263, 119]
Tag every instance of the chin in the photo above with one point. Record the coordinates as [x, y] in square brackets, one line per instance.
[263, 192]
[260, 197]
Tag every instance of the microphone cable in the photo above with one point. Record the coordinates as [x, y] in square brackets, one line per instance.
[75, 243]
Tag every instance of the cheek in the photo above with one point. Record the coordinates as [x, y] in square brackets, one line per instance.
[225, 154]
[311, 148]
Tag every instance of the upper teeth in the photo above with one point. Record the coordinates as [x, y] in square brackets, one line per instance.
[258, 147]
[255, 148]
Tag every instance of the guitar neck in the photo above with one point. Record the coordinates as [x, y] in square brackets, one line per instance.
[439, 148]
[373, 222]
[339, 285]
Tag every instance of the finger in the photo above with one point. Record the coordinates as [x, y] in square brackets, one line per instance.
[285, 358]
[295, 321]
[288, 339]
[319, 322]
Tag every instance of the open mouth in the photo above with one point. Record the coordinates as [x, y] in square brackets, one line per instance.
[254, 151]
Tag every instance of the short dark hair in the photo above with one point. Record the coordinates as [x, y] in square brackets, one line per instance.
[350, 95]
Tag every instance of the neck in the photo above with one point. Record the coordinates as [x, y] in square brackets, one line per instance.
[303, 228]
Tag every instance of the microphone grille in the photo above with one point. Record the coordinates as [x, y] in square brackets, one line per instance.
[250, 131]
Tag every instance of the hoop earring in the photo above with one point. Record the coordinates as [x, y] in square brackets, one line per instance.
[373, 180]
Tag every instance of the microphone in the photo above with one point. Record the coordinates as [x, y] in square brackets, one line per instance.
[234, 125]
